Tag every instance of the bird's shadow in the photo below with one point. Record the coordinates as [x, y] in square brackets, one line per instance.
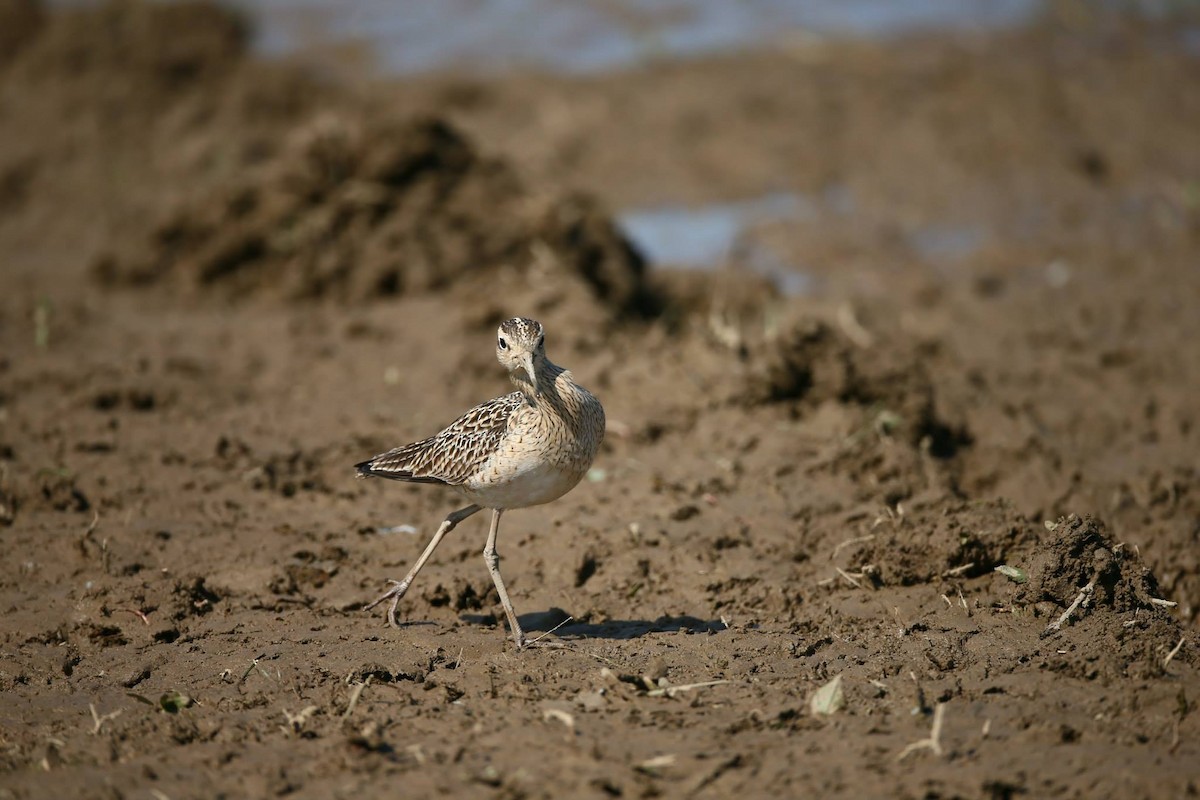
[561, 623]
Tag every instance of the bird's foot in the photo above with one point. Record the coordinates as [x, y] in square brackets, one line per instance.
[395, 594]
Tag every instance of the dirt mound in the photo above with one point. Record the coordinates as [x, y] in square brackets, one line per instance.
[354, 210]
[1082, 559]
[811, 362]
[1104, 613]
[135, 53]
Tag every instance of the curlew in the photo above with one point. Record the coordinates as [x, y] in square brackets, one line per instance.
[523, 449]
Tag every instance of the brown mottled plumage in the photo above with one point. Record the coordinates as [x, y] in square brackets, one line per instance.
[523, 449]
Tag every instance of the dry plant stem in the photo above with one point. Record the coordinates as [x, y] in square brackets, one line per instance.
[846, 575]
[98, 720]
[935, 735]
[145, 620]
[357, 693]
[1084, 593]
[1174, 650]
[82, 543]
[547, 633]
[849, 542]
[853, 329]
[671, 691]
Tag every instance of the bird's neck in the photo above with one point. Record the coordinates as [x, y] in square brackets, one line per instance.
[547, 383]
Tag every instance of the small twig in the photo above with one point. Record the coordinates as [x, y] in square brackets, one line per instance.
[1174, 650]
[561, 716]
[1163, 603]
[948, 603]
[145, 620]
[296, 722]
[846, 575]
[552, 630]
[958, 570]
[935, 735]
[1083, 595]
[458, 660]
[83, 540]
[671, 691]
[251, 668]
[354, 695]
[963, 600]
[98, 720]
[848, 542]
[853, 329]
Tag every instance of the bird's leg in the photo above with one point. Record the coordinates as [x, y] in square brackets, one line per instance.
[400, 587]
[492, 559]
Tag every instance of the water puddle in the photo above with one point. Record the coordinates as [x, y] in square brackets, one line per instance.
[717, 235]
[945, 242]
[712, 236]
[705, 236]
[409, 36]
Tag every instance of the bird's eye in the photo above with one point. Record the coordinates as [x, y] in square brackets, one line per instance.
[503, 344]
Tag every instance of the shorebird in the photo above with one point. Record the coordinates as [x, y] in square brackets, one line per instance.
[523, 449]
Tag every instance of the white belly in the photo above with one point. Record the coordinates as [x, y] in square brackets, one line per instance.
[509, 485]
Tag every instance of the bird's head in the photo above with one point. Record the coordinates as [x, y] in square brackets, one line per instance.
[521, 349]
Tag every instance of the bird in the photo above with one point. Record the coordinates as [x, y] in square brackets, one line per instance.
[523, 449]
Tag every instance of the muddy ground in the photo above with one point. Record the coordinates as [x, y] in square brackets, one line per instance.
[226, 281]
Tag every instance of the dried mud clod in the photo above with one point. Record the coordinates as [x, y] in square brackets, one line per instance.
[1081, 553]
[811, 363]
[192, 597]
[353, 209]
[1113, 623]
[57, 490]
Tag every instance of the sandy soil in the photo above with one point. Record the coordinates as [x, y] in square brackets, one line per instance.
[225, 282]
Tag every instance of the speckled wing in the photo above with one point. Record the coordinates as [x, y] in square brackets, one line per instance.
[455, 454]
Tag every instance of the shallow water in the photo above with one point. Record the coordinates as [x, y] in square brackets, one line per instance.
[408, 36]
[715, 235]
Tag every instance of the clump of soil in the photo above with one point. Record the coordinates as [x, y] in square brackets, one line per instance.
[1079, 555]
[1098, 599]
[353, 209]
[811, 362]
